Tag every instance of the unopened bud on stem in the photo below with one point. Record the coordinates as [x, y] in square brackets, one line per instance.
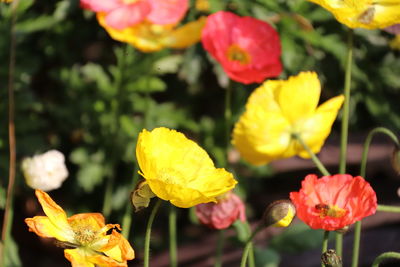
[279, 213]
[331, 259]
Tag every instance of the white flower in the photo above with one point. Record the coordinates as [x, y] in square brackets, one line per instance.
[46, 171]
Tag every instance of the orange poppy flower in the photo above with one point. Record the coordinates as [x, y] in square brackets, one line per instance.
[89, 242]
[333, 202]
[247, 48]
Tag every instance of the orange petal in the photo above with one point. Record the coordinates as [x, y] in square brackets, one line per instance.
[78, 258]
[94, 221]
[118, 247]
[42, 226]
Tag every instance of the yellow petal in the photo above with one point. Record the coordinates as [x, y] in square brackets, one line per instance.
[94, 221]
[178, 170]
[78, 257]
[42, 226]
[186, 35]
[118, 248]
[298, 96]
[56, 215]
[363, 13]
[317, 128]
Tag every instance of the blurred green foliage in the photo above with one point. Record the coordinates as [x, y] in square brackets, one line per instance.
[79, 91]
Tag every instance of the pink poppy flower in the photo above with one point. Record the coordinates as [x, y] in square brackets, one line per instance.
[121, 14]
[222, 214]
[247, 48]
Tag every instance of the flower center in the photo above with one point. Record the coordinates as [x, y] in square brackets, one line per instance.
[332, 211]
[236, 53]
[84, 236]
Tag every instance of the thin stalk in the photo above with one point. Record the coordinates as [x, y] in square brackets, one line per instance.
[173, 255]
[367, 144]
[356, 244]
[249, 246]
[387, 208]
[153, 213]
[220, 248]
[127, 217]
[384, 256]
[252, 260]
[314, 158]
[8, 209]
[346, 106]
[325, 244]
[228, 117]
[116, 104]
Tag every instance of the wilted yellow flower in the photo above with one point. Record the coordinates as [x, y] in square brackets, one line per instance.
[178, 170]
[280, 109]
[369, 14]
[149, 37]
[85, 236]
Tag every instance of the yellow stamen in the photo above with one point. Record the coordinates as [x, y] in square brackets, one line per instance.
[236, 53]
[331, 211]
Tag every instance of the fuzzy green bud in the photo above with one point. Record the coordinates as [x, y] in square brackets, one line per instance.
[331, 259]
[279, 213]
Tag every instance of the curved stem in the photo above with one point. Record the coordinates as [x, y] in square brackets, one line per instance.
[153, 213]
[388, 208]
[346, 106]
[8, 209]
[367, 143]
[384, 256]
[249, 245]
[172, 237]
[220, 248]
[314, 158]
[325, 244]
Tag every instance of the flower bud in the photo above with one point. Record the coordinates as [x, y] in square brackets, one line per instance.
[222, 214]
[279, 213]
[140, 198]
[46, 171]
[331, 259]
[396, 159]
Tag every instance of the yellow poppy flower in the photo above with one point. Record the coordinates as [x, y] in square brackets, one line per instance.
[149, 37]
[276, 111]
[178, 170]
[369, 14]
[85, 236]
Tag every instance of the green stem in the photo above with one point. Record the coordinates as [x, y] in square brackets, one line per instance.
[127, 217]
[356, 244]
[384, 256]
[338, 243]
[8, 209]
[249, 246]
[252, 260]
[346, 106]
[172, 237]
[367, 143]
[153, 213]
[325, 244]
[314, 158]
[387, 208]
[220, 248]
[228, 117]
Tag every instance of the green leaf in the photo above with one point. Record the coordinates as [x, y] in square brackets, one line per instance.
[79, 156]
[266, 257]
[38, 24]
[11, 254]
[95, 73]
[90, 175]
[169, 64]
[242, 230]
[149, 84]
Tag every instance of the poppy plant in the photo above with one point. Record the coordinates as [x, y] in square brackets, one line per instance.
[120, 14]
[333, 202]
[222, 214]
[178, 170]
[247, 48]
[149, 37]
[277, 112]
[363, 13]
[88, 240]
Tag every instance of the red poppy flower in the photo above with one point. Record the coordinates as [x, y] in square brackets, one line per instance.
[121, 14]
[333, 202]
[222, 214]
[247, 48]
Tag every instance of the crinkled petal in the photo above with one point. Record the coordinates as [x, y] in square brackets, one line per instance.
[298, 96]
[118, 248]
[177, 169]
[78, 257]
[126, 16]
[93, 221]
[167, 11]
[42, 226]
